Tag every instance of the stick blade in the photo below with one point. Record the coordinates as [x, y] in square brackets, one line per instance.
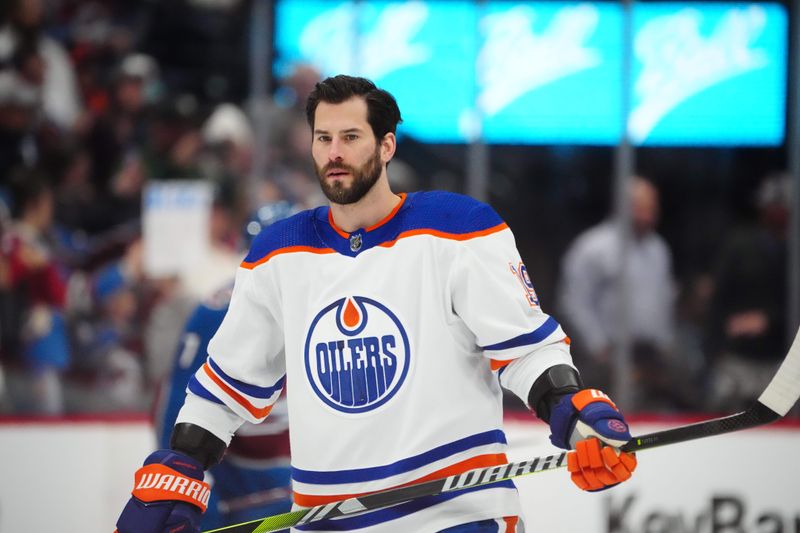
[784, 390]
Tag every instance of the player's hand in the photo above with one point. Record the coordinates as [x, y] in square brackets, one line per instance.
[589, 423]
[169, 495]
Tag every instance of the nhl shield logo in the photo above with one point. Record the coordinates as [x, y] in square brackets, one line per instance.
[357, 354]
[355, 242]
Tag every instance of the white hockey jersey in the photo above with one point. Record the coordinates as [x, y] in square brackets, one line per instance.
[392, 340]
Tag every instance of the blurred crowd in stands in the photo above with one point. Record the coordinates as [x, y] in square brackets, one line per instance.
[88, 119]
[98, 100]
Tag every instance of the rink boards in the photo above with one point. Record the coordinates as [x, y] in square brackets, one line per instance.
[74, 475]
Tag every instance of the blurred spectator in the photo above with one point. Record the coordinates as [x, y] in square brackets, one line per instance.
[24, 27]
[227, 155]
[18, 111]
[108, 373]
[225, 252]
[111, 170]
[75, 197]
[289, 133]
[122, 127]
[100, 33]
[37, 344]
[180, 295]
[29, 65]
[291, 170]
[590, 299]
[174, 139]
[747, 316]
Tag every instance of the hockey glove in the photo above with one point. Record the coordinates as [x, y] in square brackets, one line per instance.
[589, 423]
[169, 495]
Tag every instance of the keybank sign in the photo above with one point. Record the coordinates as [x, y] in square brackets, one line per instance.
[550, 72]
[722, 513]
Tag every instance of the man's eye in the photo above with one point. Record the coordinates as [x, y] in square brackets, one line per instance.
[323, 138]
[351, 137]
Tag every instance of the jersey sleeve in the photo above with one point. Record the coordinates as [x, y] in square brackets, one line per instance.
[493, 294]
[245, 370]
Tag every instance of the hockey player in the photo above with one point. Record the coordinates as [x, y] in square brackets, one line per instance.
[396, 319]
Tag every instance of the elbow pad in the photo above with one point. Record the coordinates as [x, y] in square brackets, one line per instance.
[555, 382]
[198, 443]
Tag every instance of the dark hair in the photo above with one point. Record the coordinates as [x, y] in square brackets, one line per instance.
[383, 114]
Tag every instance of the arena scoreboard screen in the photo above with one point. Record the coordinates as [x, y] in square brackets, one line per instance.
[709, 74]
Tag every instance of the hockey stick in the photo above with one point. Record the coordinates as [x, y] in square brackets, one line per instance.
[776, 400]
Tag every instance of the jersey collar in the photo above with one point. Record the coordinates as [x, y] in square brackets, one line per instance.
[353, 243]
[375, 226]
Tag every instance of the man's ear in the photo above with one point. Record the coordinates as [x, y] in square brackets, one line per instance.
[388, 147]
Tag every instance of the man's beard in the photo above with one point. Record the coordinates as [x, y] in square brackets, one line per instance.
[363, 178]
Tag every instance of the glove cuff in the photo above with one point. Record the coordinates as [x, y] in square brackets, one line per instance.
[158, 482]
[586, 396]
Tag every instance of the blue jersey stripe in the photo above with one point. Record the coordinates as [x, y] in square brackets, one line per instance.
[392, 513]
[255, 391]
[357, 475]
[537, 335]
[197, 389]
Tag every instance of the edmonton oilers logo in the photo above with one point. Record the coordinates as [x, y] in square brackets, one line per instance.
[357, 354]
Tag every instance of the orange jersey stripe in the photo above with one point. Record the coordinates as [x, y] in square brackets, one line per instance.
[241, 400]
[388, 244]
[336, 228]
[481, 461]
[497, 364]
[377, 225]
[511, 523]
[391, 215]
[445, 235]
[287, 250]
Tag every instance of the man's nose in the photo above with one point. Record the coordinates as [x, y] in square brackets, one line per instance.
[335, 150]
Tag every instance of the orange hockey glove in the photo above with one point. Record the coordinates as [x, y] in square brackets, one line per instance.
[594, 466]
[590, 423]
